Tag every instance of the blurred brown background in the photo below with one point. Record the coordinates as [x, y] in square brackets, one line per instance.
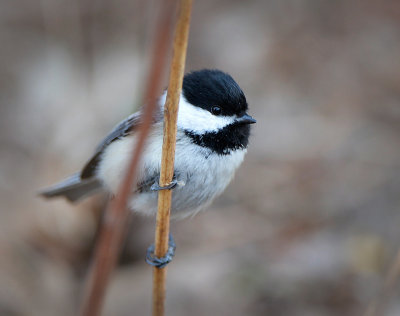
[310, 224]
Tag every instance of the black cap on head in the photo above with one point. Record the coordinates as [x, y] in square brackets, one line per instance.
[207, 88]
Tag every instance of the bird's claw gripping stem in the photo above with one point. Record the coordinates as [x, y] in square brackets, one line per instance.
[152, 260]
[157, 187]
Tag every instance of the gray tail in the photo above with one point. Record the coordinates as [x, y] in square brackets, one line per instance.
[73, 188]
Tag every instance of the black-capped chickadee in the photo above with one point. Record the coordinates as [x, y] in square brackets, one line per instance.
[212, 137]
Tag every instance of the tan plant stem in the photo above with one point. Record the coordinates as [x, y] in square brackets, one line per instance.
[114, 222]
[168, 151]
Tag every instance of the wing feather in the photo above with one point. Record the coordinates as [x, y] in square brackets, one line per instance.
[122, 129]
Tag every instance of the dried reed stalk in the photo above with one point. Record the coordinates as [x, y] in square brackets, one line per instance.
[168, 151]
[114, 222]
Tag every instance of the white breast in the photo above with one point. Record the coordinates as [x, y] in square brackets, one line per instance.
[204, 173]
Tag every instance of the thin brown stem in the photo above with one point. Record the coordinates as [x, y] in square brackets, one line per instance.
[168, 151]
[114, 223]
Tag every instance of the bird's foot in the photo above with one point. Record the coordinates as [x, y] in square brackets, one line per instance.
[157, 187]
[152, 260]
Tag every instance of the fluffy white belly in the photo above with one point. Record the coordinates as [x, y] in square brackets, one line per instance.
[205, 174]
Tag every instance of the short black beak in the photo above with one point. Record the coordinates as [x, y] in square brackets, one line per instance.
[246, 119]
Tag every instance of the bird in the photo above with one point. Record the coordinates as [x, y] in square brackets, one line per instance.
[213, 130]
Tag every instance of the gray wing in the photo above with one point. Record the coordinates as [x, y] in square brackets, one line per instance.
[121, 130]
[84, 183]
[124, 128]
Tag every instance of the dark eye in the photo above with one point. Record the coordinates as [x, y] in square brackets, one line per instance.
[216, 110]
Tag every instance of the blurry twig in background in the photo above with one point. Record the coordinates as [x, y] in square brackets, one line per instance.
[113, 226]
[168, 151]
[377, 305]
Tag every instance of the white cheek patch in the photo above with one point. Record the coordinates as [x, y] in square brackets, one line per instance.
[198, 120]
